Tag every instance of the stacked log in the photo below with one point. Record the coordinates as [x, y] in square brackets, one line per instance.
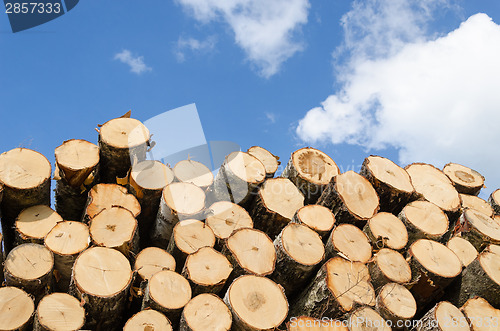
[270, 161]
[365, 318]
[148, 319]
[424, 220]
[16, 309]
[465, 180]
[481, 315]
[464, 250]
[33, 224]
[349, 242]
[386, 230]
[396, 305]
[389, 266]
[205, 312]
[194, 172]
[318, 218]
[59, 311]
[476, 203]
[442, 316]
[494, 201]
[479, 229]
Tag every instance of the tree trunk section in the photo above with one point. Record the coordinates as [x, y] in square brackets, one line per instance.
[148, 320]
[384, 230]
[270, 161]
[494, 201]
[389, 266]
[367, 319]
[16, 309]
[33, 224]
[397, 305]
[349, 242]
[205, 312]
[189, 171]
[473, 202]
[481, 315]
[59, 311]
[463, 249]
[441, 317]
[479, 229]
[424, 220]
[316, 217]
[465, 180]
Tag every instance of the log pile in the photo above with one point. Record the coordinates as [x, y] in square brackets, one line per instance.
[136, 245]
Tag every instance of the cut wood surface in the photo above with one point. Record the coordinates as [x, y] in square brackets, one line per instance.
[494, 201]
[423, 220]
[148, 320]
[205, 312]
[338, 288]
[179, 201]
[16, 309]
[304, 323]
[348, 241]
[465, 180]
[152, 260]
[25, 177]
[122, 143]
[66, 241]
[443, 317]
[318, 218]
[392, 183]
[59, 311]
[464, 250]
[389, 266]
[29, 266]
[386, 230]
[482, 316]
[367, 319]
[224, 217]
[269, 160]
[351, 197]
[33, 224]
[476, 203]
[256, 303]
[310, 170]
[194, 172]
[105, 196]
[298, 251]
[207, 270]
[275, 205]
[479, 229]
[396, 304]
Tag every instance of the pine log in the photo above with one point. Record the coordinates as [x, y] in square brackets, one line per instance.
[424, 220]
[146, 182]
[207, 270]
[367, 319]
[434, 266]
[194, 172]
[442, 317]
[167, 292]
[205, 312]
[464, 250]
[238, 179]
[187, 237]
[386, 230]
[479, 229]
[396, 305]
[105, 196]
[299, 252]
[224, 217]
[270, 161]
[148, 320]
[179, 201]
[75, 173]
[29, 267]
[389, 266]
[304, 323]
[481, 315]
[311, 171]
[101, 280]
[434, 186]
[351, 197]
[392, 183]
[123, 142]
[465, 180]
[1, 259]
[256, 303]
[476, 203]
[494, 201]
[59, 311]
[276, 203]
[348, 241]
[16, 309]
[25, 177]
[316, 217]
[116, 228]
[33, 224]
[338, 288]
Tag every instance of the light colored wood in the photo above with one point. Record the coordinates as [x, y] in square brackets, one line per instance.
[443, 317]
[386, 230]
[59, 311]
[105, 196]
[482, 316]
[205, 312]
[304, 323]
[256, 303]
[473, 202]
[194, 172]
[479, 229]
[367, 319]
[16, 309]
[269, 160]
[389, 266]
[464, 250]
[33, 224]
[348, 241]
[224, 217]
[396, 304]
[148, 320]
[494, 201]
[318, 218]
[423, 220]
[465, 180]
[124, 133]
[152, 260]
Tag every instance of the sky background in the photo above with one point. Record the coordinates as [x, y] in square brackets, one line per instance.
[414, 81]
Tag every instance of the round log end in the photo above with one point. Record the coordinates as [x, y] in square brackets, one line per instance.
[148, 320]
[208, 267]
[388, 230]
[169, 290]
[302, 244]
[16, 308]
[124, 133]
[206, 312]
[23, 168]
[464, 250]
[35, 222]
[465, 180]
[152, 260]
[29, 262]
[184, 198]
[436, 258]
[150, 175]
[189, 171]
[269, 160]
[224, 217]
[60, 311]
[68, 238]
[358, 195]
[351, 242]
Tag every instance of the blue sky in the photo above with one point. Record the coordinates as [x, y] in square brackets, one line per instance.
[349, 78]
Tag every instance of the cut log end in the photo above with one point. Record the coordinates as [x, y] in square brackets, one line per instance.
[169, 292]
[476, 203]
[105, 196]
[479, 229]
[224, 217]
[76, 159]
[424, 220]
[152, 260]
[68, 238]
[464, 250]
[60, 311]
[302, 244]
[124, 133]
[465, 180]
[387, 172]
[389, 266]
[184, 198]
[35, 222]
[494, 201]
[386, 230]
[318, 218]
[443, 317]
[481, 314]
[206, 312]
[191, 235]
[28, 262]
[436, 258]
[349, 242]
[148, 320]
[189, 171]
[396, 303]
[16, 309]
[150, 175]
[23, 168]
[269, 160]
[366, 319]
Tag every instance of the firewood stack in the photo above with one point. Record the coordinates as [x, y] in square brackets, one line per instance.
[136, 245]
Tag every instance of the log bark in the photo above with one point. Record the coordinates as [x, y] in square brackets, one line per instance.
[316, 217]
[148, 320]
[441, 317]
[465, 180]
[238, 179]
[29, 267]
[424, 220]
[1, 259]
[179, 201]
[338, 288]
[205, 312]
[464, 250]
[59, 311]
[386, 230]
[479, 229]
[275, 205]
[256, 303]
[123, 142]
[101, 280]
[299, 252]
[481, 315]
[349, 242]
[392, 183]
[366, 319]
[167, 292]
[66, 241]
[396, 304]
[351, 198]
[207, 271]
[16, 309]
[146, 182]
[389, 266]
[476, 203]
[25, 176]
[75, 174]
[33, 224]
[494, 201]
[270, 161]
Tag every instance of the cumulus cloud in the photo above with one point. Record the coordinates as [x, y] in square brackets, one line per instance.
[193, 45]
[136, 63]
[265, 30]
[435, 99]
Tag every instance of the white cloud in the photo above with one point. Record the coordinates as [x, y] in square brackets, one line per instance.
[136, 64]
[193, 45]
[264, 29]
[435, 100]
[271, 117]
